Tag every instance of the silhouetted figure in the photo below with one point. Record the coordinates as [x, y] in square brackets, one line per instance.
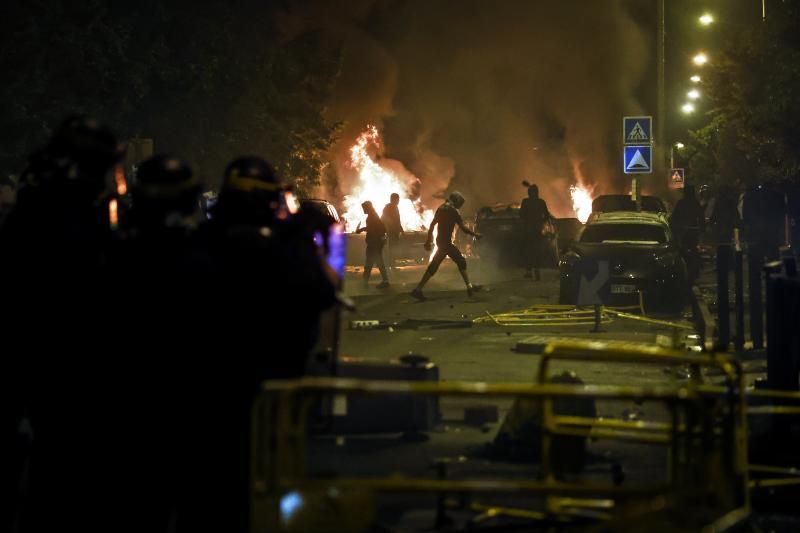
[376, 240]
[446, 219]
[268, 296]
[688, 219]
[161, 269]
[57, 319]
[763, 220]
[534, 215]
[391, 220]
[687, 223]
[724, 217]
[793, 210]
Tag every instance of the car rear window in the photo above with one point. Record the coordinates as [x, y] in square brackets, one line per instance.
[605, 204]
[644, 233]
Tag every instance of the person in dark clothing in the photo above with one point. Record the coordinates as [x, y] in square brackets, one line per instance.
[763, 221]
[687, 223]
[534, 215]
[446, 219]
[376, 239]
[391, 220]
[793, 211]
[160, 265]
[724, 216]
[688, 219]
[271, 290]
[53, 244]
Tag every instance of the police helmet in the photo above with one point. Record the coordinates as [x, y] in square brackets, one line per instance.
[91, 149]
[166, 182]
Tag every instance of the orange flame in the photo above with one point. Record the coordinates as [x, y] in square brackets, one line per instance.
[376, 184]
[581, 202]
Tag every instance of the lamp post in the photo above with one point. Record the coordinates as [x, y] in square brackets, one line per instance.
[679, 146]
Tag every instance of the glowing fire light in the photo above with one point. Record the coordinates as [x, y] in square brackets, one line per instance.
[581, 202]
[376, 184]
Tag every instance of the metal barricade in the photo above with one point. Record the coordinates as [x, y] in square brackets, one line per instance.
[280, 438]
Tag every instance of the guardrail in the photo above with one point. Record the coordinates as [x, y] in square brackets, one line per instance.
[699, 431]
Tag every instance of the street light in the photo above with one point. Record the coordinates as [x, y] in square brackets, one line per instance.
[700, 59]
[679, 145]
[706, 19]
[695, 79]
[688, 108]
[694, 94]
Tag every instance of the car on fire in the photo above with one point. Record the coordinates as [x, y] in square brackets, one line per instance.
[643, 260]
[502, 235]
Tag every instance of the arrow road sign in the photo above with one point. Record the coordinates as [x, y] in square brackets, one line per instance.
[638, 159]
[589, 290]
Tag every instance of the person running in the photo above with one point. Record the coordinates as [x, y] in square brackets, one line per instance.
[447, 218]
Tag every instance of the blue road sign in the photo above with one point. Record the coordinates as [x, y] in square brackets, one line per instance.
[637, 130]
[638, 159]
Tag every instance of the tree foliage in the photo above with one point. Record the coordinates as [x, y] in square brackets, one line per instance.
[753, 133]
[206, 80]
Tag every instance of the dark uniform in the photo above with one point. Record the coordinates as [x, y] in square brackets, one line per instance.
[53, 245]
[266, 300]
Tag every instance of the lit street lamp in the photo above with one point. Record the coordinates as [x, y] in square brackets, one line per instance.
[688, 108]
[679, 145]
[700, 59]
[695, 79]
[706, 19]
[694, 94]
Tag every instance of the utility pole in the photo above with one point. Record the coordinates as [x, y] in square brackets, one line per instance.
[661, 117]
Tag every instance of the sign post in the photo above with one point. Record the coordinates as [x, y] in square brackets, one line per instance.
[637, 152]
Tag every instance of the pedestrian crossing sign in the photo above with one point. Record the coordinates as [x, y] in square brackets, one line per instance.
[677, 178]
[637, 130]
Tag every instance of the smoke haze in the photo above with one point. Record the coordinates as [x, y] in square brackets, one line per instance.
[477, 96]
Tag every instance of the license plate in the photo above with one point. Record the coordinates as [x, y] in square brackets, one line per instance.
[623, 289]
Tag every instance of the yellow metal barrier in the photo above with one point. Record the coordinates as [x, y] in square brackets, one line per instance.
[725, 462]
[280, 437]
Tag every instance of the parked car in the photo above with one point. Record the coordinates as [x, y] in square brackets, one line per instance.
[642, 257]
[607, 203]
[321, 206]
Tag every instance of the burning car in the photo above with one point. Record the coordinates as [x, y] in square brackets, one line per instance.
[642, 257]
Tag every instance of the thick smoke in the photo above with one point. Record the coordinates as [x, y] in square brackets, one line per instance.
[477, 95]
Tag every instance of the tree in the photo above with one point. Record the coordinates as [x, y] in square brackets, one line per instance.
[208, 81]
[754, 127]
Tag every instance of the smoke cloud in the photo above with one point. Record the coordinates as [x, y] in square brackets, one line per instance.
[477, 96]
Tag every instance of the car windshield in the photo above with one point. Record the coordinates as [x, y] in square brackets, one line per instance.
[639, 233]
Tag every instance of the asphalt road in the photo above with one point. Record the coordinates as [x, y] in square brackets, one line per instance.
[485, 351]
